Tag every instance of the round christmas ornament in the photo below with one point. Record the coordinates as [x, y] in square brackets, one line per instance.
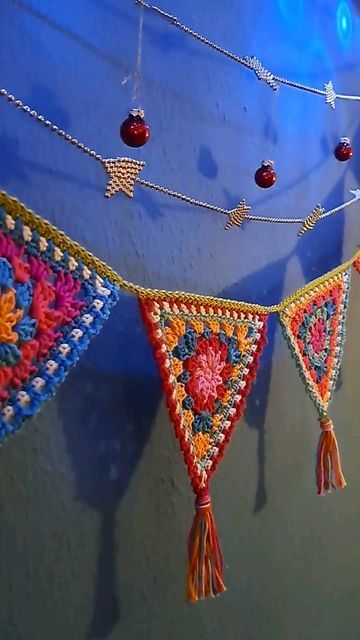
[343, 151]
[265, 176]
[134, 131]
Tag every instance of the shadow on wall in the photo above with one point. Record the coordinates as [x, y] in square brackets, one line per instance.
[318, 252]
[248, 289]
[107, 411]
[322, 249]
[77, 38]
[16, 168]
[207, 164]
[356, 142]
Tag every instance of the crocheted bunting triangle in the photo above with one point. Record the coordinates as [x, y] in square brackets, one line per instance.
[208, 357]
[356, 264]
[313, 324]
[50, 307]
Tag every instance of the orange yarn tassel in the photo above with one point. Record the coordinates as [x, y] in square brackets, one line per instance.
[205, 558]
[328, 471]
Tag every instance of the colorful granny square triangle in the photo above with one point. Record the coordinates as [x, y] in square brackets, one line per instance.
[50, 307]
[208, 357]
[313, 324]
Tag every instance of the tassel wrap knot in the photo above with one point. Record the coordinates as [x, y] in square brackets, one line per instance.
[326, 424]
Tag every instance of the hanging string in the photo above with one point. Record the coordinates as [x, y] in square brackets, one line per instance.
[137, 74]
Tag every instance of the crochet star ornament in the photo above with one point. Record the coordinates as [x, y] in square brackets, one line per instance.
[311, 220]
[208, 357]
[237, 216]
[122, 174]
[313, 324]
[330, 95]
[261, 73]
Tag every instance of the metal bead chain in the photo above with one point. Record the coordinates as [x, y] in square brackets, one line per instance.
[245, 61]
[345, 205]
[212, 207]
[151, 185]
[197, 36]
[49, 125]
[181, 196]
[304, 87]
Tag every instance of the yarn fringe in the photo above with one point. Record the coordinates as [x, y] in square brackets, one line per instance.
[205, 557]
[329, 474]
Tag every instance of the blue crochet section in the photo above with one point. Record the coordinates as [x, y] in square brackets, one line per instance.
[98, 296]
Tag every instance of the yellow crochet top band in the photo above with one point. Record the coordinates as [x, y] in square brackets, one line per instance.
[14, 208]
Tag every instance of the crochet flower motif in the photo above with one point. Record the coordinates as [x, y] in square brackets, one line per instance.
[208, 358]
[208, 371]
[34, 305]
[317, 335]
[315, 332]
[314, 326]
[9, 316]
[50, 307]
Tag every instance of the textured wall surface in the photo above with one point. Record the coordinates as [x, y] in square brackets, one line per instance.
[95, 505]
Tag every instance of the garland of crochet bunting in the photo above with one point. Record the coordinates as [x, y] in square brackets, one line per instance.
[16, 209]
[101, 287]
[70, 255]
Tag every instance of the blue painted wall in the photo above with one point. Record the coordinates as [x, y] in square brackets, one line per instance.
[95, 504]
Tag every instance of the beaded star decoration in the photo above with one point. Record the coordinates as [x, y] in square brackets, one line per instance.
[50, 307]
[313, 324]
[208, 357]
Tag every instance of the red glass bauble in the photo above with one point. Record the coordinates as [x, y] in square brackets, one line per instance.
[134, 131]
[343, 151]
[265, 176]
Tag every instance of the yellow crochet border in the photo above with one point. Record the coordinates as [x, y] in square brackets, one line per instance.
[14, 208]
